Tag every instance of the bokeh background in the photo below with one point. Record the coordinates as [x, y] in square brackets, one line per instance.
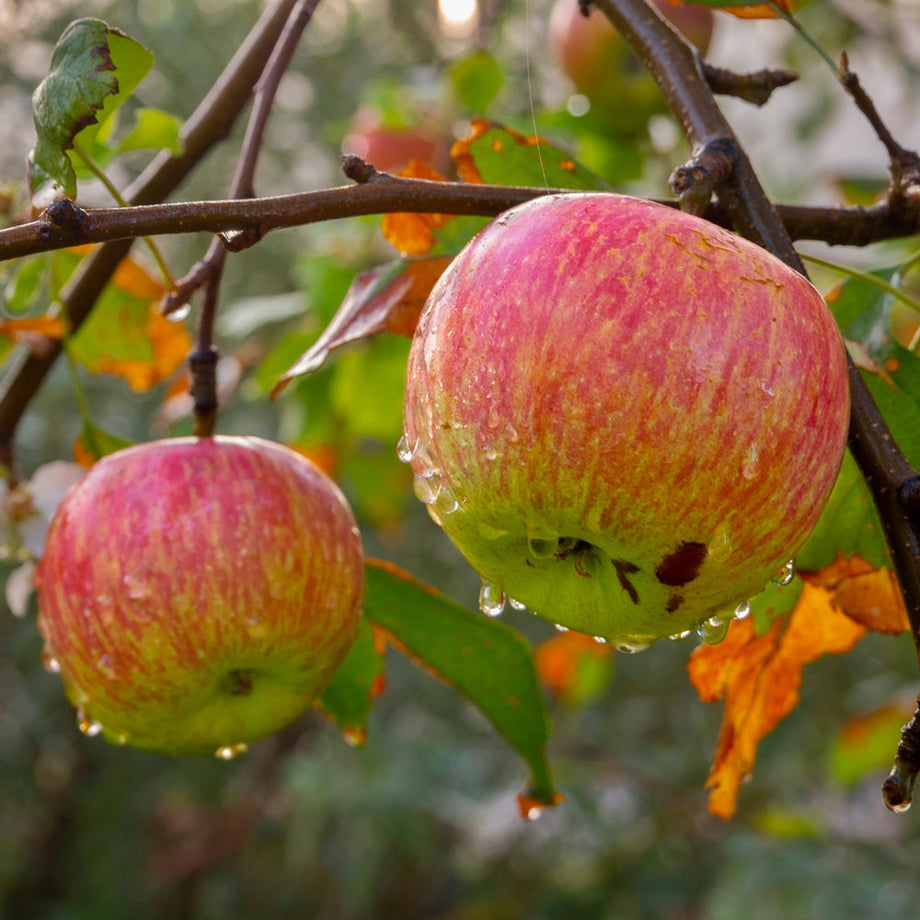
[422, 821]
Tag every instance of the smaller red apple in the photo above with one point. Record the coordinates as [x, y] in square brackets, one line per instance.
[198, 594]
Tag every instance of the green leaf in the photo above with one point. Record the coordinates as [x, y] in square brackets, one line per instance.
[348, 699]
[487, 661]
[891, 372]
[94, 443]
[153, 129]
[27, 284]
[476, 79]
[94, 68]
[499, 154]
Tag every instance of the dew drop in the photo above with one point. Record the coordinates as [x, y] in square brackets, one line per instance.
[491, 453]
[406, 450]
[561, 628]
[136, 585]
[678, 636]
[785, 575]
[231, 751]
[427, 486]
[49, 661]
[491, 600]
[534, 812]
[742, 611]
[631, 647]
[488, 531]
[445, 501]
[180, 314]
[89, 727]
[713, 630]
[600, 640]
[516, 604]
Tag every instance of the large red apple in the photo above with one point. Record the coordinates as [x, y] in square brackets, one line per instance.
[197, 594]
[603, 67]
[625, 417]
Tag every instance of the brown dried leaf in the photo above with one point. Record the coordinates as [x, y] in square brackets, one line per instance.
[759, 678]
[385, 299]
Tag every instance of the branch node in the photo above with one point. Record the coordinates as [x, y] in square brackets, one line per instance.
[755, 87]
[65, 218]
[897, 789]
[699, 179]
[238, 240]
[359, 170]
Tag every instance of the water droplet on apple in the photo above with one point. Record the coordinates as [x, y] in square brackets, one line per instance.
[445, 501]
[104, 664]
[631, 647]
[720, 548]
[561, 628]
[785, 575]
[488, 531]
[750, 466]
[49, 661]
[231, 751]
[600, 640]
[89, 727]
[678, 636]
[406, 450]
[491, 453]
[542, 546]
[491, 600]
[516, 604]
[713, 630]
[426, 487]
[136, 585]
[742, 610]
[180, 313]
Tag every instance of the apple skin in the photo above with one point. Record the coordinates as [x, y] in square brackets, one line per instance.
[198, 594]
[626, 418]
[604, 68]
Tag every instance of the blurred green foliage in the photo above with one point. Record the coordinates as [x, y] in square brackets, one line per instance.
[422, 822]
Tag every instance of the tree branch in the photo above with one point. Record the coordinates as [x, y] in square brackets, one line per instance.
[208, 125]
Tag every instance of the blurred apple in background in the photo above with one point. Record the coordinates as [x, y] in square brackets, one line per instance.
[602, 66]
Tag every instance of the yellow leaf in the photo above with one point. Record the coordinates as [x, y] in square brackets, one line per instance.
[759, 678]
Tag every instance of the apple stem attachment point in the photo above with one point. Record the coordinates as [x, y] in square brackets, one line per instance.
[897, 789]
[203, 389]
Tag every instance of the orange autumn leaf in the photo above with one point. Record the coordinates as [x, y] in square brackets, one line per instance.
[867, 595]
[560, 658]
[20, 330]
[462, 151]
[414, 234]
[759, 677]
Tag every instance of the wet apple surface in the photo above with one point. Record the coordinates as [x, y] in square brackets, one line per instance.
[626, 418]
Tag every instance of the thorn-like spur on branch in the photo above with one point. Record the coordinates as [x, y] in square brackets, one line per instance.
[897, 790]
[904, 190]
[359, 170]
[698, 180]
[756, 87]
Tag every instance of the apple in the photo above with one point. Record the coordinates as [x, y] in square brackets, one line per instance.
[626, 418]
[392, 148]
[604, 68]
[198, 594]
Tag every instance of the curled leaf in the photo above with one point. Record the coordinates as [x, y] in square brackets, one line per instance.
[759, 678]
[385, 299]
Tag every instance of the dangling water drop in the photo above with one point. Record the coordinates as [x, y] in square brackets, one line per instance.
[785, 575]
[491, 600]
[678, 636]
[561, 628]
[600, 640]
[427, 486]
[49, 661]
[631, 648]
[713, 630]
[180, 313]
[516, 604]
[742, 611]
[89, 727]
[231, 751]
[405, 450]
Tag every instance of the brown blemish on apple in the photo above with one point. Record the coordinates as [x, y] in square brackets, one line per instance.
[681, 566]
[624, 570]
[674, 602]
